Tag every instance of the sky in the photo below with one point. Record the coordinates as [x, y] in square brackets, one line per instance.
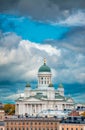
[33, 29]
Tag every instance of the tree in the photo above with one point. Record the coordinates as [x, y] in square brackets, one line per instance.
[9, 109]
[83, 114]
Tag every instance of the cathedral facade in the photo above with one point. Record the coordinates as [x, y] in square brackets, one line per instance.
[44, 97]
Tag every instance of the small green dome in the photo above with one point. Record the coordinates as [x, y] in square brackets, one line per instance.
[50, 85]
[28, 85]
[60, 86]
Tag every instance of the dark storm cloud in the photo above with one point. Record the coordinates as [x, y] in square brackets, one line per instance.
[42, 9]
[74, 40]
[69, 4]
[6, 5]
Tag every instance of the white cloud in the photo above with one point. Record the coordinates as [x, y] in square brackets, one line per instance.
[79, 97]
[9, 39]
[21, 63]
[76, 18]
[14, 96]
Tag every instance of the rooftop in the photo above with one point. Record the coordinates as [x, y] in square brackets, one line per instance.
[44, 67]
[19, 118]
[74, 120]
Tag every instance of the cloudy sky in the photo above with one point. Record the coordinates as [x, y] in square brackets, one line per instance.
[33, 29]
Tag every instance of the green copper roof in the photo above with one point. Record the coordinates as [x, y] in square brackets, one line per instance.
[44, 68]
[38, 96]
[58, 96]
[50, 85]
[60, 86]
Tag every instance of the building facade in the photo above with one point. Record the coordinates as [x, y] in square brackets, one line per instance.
[44, 97]
[45, 124]
[2, 125]
[2, 114]
[32, 124]
[73, 123]
[72, 126]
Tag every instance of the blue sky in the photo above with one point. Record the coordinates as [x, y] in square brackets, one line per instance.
[33, 30]
[27, 35]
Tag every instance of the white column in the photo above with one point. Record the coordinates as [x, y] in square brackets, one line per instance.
[23, 109]
[84, 127]
[35, 108]
[31, 111]
[28, 108]
[19, 108]
[39, 108]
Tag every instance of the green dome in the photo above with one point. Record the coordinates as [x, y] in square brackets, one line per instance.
[50, 85]
[60, 86]
[44, 68]
[28, 85]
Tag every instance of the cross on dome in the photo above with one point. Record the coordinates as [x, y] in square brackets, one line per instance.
[44, 60]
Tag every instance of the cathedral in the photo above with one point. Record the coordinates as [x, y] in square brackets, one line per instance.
[44, 97]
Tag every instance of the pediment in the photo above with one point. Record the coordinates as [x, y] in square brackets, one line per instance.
[70, 100]
[32, 99]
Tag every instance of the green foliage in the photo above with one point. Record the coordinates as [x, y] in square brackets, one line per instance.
[9, 109]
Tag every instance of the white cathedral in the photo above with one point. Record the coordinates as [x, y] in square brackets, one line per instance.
[44, 97]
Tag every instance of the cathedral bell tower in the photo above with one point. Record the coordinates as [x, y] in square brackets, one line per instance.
[44, 76]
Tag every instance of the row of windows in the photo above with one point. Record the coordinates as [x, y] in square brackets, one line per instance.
[44, 82]
[44, 78]
[31, 123]
[31, 129]
[1, 128]
[71, 129]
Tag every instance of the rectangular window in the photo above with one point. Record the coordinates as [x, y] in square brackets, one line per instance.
[31, 123]
[27, 123]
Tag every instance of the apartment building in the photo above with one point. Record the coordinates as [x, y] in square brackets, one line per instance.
[73, 123]
[32, 124]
